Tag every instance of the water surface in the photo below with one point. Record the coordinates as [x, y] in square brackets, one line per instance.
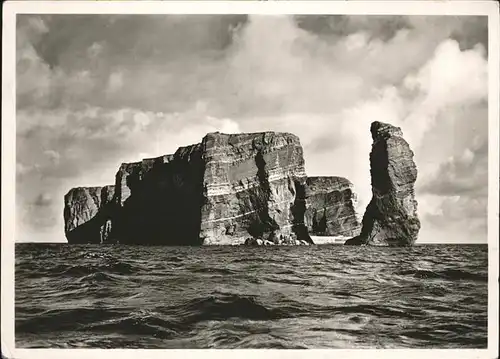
[330, 296]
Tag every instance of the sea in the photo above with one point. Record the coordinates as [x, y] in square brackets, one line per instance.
[323, 296]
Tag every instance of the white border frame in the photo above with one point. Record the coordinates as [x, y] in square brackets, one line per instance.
[10, 9]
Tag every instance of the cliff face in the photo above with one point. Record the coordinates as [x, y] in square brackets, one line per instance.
[331, 207]
[87, 214]
[253, 185]
[221, 191]
[158, 200]
[391, 216]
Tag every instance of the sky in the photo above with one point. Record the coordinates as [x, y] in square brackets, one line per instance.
[94, 91]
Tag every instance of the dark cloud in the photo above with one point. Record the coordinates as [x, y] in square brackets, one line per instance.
[473, 30]
[467, 30]
[43, 200]
[168, 62]
[378, 27]
[157, 58]
[132, 39]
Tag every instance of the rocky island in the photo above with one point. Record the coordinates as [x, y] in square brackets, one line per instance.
[229, 189]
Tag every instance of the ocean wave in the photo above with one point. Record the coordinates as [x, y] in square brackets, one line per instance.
[292, 281]
[213, 270]
[65, 319]
[99, 277]
[222, 308]
[135, 324]
[449, 274]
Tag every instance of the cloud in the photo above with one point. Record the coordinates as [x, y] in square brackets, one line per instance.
[89, 98]
[453, 196]
[453, 218]
[53, 156]
[158, 69]
[43, 200]
[381, 27]
[38, 212]
[462, 175]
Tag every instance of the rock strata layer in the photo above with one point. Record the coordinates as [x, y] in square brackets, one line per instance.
[331, 207]
[391, 217]
[224, 190]
[253, 184]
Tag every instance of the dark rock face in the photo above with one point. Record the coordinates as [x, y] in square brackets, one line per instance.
[331, 207]
[158, 200]
[87, 214]
[220, 191]
[391, 216]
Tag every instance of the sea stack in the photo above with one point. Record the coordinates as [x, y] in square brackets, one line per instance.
[391, 217]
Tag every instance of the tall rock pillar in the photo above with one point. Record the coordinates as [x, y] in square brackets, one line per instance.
[391, 216]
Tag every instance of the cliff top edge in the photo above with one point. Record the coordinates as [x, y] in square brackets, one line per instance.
[214, 135]
[88, 188]
[313, 179]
